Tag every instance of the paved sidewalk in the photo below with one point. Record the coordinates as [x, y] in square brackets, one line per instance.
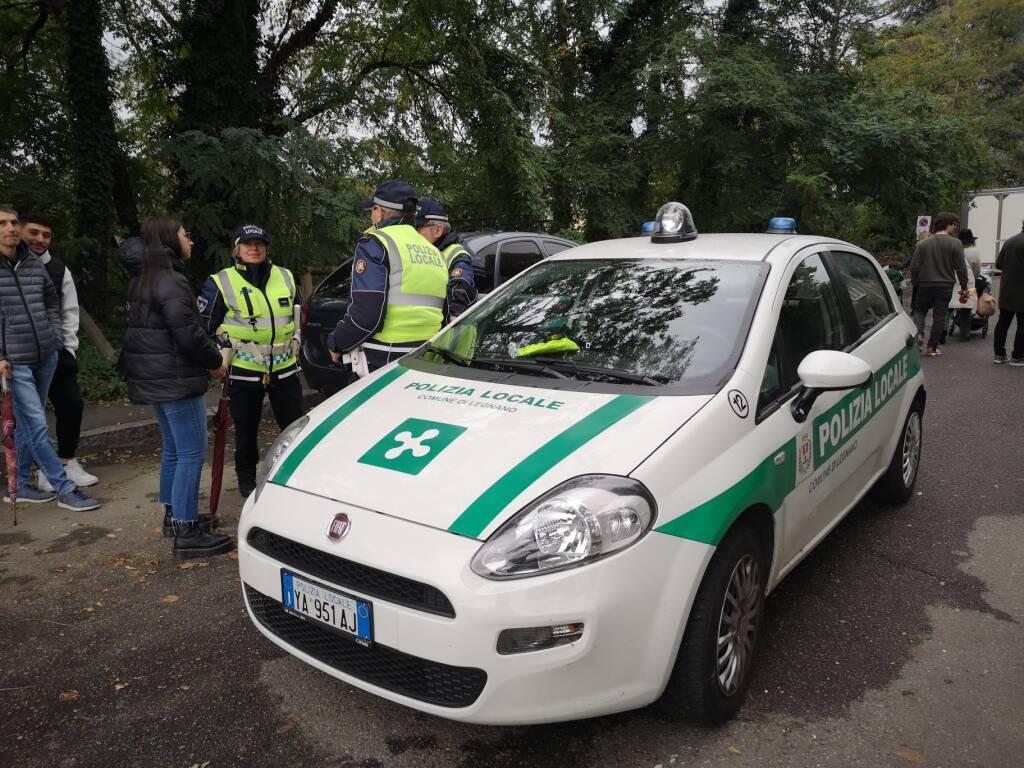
[120, 424]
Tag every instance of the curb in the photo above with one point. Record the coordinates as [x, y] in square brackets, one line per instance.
[146, 432]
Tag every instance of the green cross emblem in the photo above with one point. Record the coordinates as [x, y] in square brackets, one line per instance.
[410, 446]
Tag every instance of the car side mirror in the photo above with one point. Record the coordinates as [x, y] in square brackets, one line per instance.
[827, 371]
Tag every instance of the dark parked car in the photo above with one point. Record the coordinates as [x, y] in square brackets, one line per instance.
[498, 256]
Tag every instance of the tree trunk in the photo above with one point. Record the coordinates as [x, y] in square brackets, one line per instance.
[97, 155]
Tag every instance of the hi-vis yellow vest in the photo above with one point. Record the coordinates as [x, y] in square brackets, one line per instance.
[452, 252]
[265, 318]
[417, 286]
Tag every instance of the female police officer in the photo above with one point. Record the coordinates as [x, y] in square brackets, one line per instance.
[254, 304]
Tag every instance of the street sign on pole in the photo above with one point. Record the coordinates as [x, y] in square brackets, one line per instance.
[924, 224]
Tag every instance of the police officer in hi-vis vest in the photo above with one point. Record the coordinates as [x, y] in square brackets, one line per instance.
[254, 305]
[432, 222]
[399, 284]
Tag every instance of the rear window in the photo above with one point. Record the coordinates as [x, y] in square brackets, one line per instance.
[669, 321]
[337, 285]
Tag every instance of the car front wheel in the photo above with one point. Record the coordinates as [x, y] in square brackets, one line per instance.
[897, 484]
[715, 659]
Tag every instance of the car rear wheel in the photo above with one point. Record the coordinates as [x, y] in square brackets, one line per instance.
[713, 667]
[897, 484]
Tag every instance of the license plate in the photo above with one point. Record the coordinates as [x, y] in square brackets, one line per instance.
[348, 615]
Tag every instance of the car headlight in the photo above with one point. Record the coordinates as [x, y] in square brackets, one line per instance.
[277, 450]
[578, 522]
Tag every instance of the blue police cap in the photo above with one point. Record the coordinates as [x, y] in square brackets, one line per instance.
[393, 195]
[430, 212]
[251, 232]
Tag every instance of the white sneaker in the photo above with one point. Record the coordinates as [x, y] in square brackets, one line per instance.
[76, 474]
[43, 484]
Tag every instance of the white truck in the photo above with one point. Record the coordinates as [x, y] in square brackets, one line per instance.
[993, 215]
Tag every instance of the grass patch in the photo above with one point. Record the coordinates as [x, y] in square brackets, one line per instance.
[97, 376]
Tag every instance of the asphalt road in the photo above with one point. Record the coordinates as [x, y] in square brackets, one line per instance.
[898, 642]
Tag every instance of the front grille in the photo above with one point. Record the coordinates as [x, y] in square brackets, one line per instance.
[411, 676]
[345, 573]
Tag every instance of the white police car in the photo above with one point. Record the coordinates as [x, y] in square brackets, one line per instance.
[577, 497]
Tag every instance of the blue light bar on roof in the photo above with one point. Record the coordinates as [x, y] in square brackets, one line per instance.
[782, 225]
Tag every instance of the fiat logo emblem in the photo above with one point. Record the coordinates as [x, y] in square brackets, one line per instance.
[339, 527]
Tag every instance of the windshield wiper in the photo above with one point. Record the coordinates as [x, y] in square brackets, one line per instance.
[448, 355]
[598, 370]
[519, 365]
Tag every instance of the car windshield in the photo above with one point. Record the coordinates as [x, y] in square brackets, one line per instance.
[642, 322]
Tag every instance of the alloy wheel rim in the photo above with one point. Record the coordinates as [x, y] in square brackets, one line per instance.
[911, 448]
[737, 625]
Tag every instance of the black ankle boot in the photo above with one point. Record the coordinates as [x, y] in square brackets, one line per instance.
[204, 522]
[190, 541]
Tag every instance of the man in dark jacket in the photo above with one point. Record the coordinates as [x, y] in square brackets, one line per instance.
[937, 265]
[1011, 299]
[30, 335]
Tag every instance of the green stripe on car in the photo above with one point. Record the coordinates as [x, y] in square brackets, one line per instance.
[775, 478]
[309, 442]
[488, 505]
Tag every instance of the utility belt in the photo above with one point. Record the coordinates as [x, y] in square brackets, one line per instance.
[261, 354]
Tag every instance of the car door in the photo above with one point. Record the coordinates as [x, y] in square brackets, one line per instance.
[514, 256]
[883, 343]
[811, 317]
[324, 310]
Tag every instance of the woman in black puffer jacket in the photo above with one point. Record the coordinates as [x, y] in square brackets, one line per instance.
[166, 360]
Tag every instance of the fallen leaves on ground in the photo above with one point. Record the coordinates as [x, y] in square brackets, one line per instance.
[735, 751]
[959, 552]
[118, 685]
[192, 564]
[69, 695]
[910, 755]
[284, 729]
[233, 556]
[169, 599]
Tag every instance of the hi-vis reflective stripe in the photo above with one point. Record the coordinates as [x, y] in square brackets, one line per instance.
[309, 442]
[491, 502]
[395, 267]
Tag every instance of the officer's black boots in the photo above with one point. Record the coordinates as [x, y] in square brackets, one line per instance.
[246, 480]
[204, 522]
[190, 541]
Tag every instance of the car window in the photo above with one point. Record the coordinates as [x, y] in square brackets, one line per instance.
[483, 268]
[551, 247]
[678, 322]
[515, 256]
[338, 284]
[866, 288]
[810, 319]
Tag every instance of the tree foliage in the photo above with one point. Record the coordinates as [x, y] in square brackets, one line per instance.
[852, 115]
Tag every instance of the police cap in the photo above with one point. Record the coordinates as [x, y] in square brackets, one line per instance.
[394, 196]
[251, 232]
[430, 212]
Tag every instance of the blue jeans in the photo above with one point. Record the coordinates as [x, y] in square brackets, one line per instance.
[183, 430]
[30, 383]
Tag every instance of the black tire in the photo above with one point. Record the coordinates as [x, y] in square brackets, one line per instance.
[696, 691]
[896, 486]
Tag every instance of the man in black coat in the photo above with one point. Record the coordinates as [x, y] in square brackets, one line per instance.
[1011, 300]
[30, 335]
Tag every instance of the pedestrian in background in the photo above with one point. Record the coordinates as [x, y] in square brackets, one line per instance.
[1011, 300]
[964, 308]
[938, 264]
[256, 304]
[30, 335]
[65, 394]
[165, 360]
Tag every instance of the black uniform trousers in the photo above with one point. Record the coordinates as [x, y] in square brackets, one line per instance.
[66, 396]
[247, 411]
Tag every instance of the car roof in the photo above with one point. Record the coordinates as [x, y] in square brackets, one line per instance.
[478, 240]
[732, 247]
